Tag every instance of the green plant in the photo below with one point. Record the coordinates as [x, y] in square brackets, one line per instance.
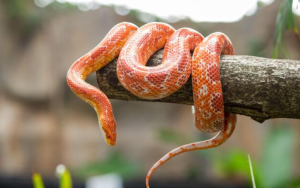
[284, 22]
[274, 170]
[251, 172]
[37, 181]
[65, 180]
[115, 162]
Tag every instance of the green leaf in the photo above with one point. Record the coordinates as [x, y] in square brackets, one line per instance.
[37, 181]
[65, 180]
[251, 172]
[284, 22]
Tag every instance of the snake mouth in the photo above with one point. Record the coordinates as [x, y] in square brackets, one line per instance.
[110, 138]
[110, 143]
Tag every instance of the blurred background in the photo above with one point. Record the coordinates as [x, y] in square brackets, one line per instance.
[43, 124]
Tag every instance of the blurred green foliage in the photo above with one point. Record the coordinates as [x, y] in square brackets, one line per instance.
[114, 163]
[274, 170]
[232, 163]
[285, 21]
[37, 181]
[256, 48]
[277, 157]
[23, 18]
[65, 180]
[172, 136]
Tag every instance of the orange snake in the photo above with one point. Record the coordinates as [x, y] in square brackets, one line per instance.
[135, 47]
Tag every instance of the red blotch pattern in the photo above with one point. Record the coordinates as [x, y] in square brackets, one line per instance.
[206, 67]
[164, 79]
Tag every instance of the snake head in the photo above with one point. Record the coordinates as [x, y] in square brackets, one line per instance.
[108, 129]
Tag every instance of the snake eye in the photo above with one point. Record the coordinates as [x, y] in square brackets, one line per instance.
[108, 135]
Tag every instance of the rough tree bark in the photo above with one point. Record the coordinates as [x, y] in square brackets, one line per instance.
[253, 86]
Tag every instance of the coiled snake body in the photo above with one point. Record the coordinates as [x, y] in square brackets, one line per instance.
[135, 47]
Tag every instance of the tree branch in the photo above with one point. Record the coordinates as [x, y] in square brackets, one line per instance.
[253, 86]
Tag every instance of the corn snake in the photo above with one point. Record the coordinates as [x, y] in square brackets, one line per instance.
[134, 47]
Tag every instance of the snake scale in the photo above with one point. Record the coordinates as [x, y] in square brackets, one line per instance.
[134, 46]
